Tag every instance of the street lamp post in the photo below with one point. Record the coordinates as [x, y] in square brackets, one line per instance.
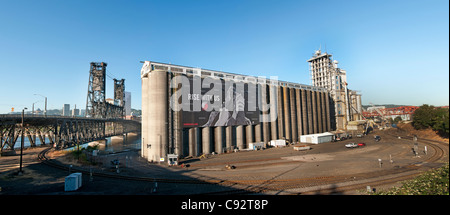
[21, 143]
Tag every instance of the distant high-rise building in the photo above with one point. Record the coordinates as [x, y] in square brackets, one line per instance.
[127, 103]
[75, 112]
[66, 110]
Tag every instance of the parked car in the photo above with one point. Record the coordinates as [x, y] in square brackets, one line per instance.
[361, 144]
[351, 145]
[359, 135]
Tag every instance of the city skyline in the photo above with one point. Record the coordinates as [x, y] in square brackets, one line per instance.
[393, 52]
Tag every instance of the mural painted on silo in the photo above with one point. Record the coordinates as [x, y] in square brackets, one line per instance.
[213, 102]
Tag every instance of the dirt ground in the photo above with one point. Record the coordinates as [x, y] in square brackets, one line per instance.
[424, 133]
[323, 160]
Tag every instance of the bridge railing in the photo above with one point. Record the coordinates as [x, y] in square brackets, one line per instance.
[53, 117]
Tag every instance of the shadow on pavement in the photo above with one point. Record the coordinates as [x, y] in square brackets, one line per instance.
[42, 179]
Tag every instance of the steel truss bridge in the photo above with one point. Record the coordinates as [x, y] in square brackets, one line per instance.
[102, 120]
[61, 132]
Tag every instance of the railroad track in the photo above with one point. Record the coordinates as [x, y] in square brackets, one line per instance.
[441, 149]
[352, 182]
[42, 157]
[341, 183]
[440, 152]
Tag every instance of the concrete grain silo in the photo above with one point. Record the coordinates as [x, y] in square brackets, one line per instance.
[189, 111]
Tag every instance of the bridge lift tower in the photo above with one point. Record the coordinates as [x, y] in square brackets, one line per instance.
[119, 93]
[96, 96]
[96, 105]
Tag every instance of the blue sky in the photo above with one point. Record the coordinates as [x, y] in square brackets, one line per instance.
[394, 51]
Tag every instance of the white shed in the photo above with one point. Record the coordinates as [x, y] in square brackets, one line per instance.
[317, 138]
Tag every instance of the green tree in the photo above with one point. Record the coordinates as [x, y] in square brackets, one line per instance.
[440, 121]
[446, 125]
[427, 116]
[422, 117]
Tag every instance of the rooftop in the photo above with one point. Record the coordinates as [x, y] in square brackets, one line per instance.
[318, 54]
[150, 66]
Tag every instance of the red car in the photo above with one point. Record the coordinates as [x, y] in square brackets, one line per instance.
[361, 144]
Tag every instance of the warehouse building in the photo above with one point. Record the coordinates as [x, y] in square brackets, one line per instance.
[190, 111]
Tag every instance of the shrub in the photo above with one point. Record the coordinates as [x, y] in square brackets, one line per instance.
[433, 182]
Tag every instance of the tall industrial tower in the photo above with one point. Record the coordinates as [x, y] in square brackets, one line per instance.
[95, 103]
[322, 70]
[119, 93]
[325, 73]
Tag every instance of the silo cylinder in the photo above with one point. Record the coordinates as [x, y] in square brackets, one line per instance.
[304, 113]
[299, 113]
[314, 111]
[319, 111]
[249, 134]
[273, 111]
[293, 115]
[218, 139]
[144, 129]
[157, 115]
[240, 137]
[324, 116]
[287, 114]
[206, 140]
